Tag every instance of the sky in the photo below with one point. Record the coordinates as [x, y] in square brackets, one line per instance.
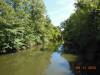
[59, 10]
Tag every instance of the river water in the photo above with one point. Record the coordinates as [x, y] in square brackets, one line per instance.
[35, 62]
[59, 65]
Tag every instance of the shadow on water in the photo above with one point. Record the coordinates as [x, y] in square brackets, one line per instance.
[59, 65]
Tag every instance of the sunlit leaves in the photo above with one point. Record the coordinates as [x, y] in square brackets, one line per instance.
[23, 24]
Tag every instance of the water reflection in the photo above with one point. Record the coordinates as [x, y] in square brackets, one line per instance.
[58, 66]
[60, 49]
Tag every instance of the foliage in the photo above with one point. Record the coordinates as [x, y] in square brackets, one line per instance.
[82, 29]
[23, 23]
[81, 32]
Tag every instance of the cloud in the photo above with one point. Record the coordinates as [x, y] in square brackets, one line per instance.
[67, 9]
[63, 2]
[60, 10]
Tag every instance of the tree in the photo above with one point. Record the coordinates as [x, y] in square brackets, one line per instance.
[81, 30]
[23, 23]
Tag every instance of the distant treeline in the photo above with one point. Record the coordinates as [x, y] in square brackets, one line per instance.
[24, 23]
[81, 32]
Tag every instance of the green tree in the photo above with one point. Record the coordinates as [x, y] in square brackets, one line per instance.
[23, 23]
[81, 31]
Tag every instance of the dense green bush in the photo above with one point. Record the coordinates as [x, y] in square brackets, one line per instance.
[83, 27]
[81, 32]
[23, 23]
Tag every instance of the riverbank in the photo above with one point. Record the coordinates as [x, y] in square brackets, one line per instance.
[51, 46]
[70, 57]
[72, 60]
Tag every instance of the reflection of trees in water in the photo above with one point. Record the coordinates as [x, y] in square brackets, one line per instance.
[58, 66]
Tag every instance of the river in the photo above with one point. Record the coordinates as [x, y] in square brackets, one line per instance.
[34, 62]
[59, 65]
